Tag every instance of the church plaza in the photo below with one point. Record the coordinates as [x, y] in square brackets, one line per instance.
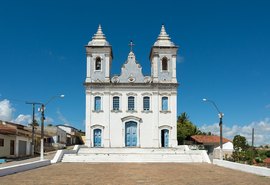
[133, 173]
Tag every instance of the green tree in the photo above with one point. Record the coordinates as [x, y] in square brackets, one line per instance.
[185, 128]
[267, 153]
[241, 152]
[240, 143]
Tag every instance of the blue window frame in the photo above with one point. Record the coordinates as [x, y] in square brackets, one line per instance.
[116, 103]
[164, 103]
[131, 105]
[146, 103]
[97, 103]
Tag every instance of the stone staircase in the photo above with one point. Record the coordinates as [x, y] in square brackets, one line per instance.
[181, 154]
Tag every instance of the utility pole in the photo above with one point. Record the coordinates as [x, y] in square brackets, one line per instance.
[252, 138]
[220, 139]
[33, 126]
[42, 132]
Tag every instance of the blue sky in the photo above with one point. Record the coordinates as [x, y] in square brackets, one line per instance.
[223, 55]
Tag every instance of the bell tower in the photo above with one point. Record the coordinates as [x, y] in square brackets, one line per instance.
[98, 57]
[163, 59]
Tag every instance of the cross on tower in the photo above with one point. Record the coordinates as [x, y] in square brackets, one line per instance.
[131, 45]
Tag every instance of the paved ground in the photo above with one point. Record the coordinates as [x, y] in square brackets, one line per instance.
[133, 173]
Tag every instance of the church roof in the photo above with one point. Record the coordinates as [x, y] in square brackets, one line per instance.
[163, 38]
[131, 71]
[99, 39]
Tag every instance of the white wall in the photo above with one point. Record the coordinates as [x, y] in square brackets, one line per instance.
[263, 171]
[5, 150]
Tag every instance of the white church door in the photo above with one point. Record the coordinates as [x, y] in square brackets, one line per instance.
[165, 138]
[97, 138]
[131, 134]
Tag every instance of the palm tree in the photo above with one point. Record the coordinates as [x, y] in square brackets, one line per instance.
[183, 118]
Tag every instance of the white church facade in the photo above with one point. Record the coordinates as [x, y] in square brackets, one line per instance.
[130, 109]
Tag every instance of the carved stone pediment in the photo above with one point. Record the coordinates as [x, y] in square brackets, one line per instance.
[131, 71]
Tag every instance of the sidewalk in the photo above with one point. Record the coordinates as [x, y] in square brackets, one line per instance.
[48, 156]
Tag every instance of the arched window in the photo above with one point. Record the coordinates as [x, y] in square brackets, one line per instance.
[131, 105]
[146, 103]
[97, 103]
[164, 64]
[164, 103]
[98, 64]
[115, 103]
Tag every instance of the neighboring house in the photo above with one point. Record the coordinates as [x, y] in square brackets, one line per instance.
[210, 143]
[227, 150]
[58, 136]
[54, 138]
[15, 140]
[131, 109]
[73, 135]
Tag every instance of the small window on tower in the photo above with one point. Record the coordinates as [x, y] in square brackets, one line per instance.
[98, 63]
[164, 64]
[97, 103]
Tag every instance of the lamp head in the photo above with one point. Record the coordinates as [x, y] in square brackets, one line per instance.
[62, 96]
[204, 99]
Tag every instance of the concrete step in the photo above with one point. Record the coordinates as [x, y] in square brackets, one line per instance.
[136, 155]
[132, 158]
[179, 154]
[131, 150]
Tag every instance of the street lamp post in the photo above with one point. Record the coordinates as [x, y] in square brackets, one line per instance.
[220, 115]
[42, 110]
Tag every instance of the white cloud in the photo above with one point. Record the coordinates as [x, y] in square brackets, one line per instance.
[6, 110]
[261, 131]
[23, 119]
[6, 114]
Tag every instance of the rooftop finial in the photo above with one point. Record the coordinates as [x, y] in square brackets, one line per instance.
[131, 45]
[163, 38]
[99, 31]
[163, 34]
[99, 38]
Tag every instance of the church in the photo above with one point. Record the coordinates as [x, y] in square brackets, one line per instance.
[131, 110]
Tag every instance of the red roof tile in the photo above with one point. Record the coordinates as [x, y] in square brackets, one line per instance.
[208, 139]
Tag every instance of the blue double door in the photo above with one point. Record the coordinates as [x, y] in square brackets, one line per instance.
[131, 134]
[97, 138]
